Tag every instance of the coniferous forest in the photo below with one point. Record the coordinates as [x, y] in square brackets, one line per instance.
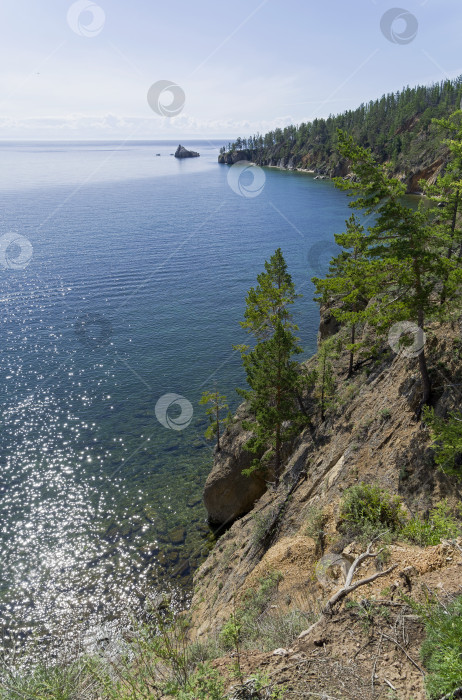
[397, 128]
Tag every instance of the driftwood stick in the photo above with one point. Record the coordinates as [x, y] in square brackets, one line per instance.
[349, 589]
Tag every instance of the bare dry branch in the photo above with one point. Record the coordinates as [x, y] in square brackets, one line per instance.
[343, 592]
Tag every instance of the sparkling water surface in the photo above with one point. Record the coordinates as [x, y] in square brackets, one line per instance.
[135, 288]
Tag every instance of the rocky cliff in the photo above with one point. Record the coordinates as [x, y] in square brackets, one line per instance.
[370, 647]
[427, 170]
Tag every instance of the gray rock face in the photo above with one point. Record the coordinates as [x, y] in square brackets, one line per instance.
[228, 494]
[328, 325]
[234, 157]
[182, 152]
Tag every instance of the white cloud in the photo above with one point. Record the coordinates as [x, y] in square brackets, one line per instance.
[113, 126]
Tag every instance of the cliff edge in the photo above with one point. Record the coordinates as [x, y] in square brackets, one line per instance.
[295, 534]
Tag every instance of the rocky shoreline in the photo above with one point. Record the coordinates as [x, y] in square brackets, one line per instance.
[340, 169]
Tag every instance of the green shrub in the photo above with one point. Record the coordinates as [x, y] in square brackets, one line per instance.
[242, 628]
[279, 628]
[205, 683]
[260, 686]
[442, 649]
[314, 528]
[368, 507]
[441, 524]
[231, 633]
[262, 522]
[447, 437]
[256, 625]
[255, 601]
[46, 682]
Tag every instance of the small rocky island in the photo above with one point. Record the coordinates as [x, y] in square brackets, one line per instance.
[182, 152]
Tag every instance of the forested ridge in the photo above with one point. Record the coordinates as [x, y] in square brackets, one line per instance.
[397, 128]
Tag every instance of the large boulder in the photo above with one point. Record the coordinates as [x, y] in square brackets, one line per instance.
[182, 152]
[328, 324]
[232, 157]
[228, 494]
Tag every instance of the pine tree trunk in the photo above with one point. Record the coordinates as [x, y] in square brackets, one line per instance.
[450, 251]
[350, 368]
[323, 387]
[277, 459]
[277, 456]
[218, 428]
[426, 381]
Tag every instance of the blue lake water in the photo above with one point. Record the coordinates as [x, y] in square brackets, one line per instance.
[130, 287]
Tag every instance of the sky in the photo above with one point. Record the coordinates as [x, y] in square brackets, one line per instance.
[82, 70]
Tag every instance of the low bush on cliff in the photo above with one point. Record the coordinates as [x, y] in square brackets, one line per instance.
[368, 507]
[205, 683]
[441, 524]
[241, 626]
[442, 649]
[368, 511]
[315, 525]
[447, 437]
[47, 682]
[255, 624]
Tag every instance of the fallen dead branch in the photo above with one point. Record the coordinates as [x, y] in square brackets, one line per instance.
[349, 587]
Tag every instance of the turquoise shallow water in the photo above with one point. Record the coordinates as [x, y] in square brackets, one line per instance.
[137, 271]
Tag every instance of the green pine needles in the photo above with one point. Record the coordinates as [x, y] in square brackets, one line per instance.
[447, 437]
[273, 377]
[406, 266]
[216, 403]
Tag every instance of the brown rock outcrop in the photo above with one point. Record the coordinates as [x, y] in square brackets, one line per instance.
[228, 494]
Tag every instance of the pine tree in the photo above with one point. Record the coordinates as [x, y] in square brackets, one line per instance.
[346, 284]
[446, 193]
[218, 404]
[325, 379]
[273, 376]
[405, 254]
[274, 379]
[268, 302]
